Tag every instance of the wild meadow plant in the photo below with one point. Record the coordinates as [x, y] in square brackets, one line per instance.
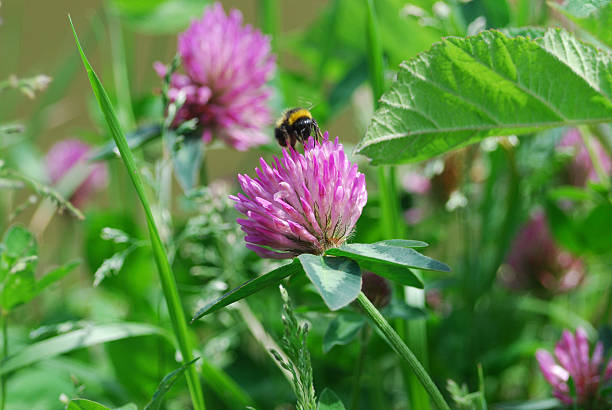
[505, 106]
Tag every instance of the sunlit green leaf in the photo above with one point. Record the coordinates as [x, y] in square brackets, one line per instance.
[531, 32]
[596, 23]
[465, 89]
[337, 279]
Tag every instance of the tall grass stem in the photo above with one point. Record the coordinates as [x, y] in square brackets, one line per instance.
[168, 282]
[390, 211]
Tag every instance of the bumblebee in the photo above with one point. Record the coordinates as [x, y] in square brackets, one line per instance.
[295, 125]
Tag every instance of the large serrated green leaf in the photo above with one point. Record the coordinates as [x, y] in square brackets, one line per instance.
[465, 89]
[337, 279]
[250, 287]
[594, 20]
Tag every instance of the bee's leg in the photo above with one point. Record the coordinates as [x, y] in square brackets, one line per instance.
[318, 135]
[293, 139]
[280, 134]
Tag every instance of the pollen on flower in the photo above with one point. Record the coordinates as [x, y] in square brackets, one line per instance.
[227, 65]
[301, 203]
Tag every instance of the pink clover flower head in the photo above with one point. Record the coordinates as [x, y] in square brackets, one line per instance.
[227, 65]
[580, 169]
[301, 203]
[535, 261]
[66, 154]
[574, 360]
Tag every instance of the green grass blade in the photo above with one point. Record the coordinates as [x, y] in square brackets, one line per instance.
[168, 282]
[67, 342]
[166, 384]
[250, 287]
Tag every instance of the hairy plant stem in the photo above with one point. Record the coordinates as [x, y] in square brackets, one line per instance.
[4, 319]
[396, 343]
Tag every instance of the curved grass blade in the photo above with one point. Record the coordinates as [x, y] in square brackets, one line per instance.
[250, 287]
[168, 282]
[166, 384]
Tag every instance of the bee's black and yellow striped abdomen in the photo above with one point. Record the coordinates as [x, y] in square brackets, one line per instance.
[296, 124]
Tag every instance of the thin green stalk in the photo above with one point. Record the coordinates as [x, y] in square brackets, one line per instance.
[364, 339]
[4, 319]
[375, 54]
[329, 45]
[416, 338]
[120, 73]
[386, 207]
[168, 282]
[414, 333]
[269, 18]
[403, 351]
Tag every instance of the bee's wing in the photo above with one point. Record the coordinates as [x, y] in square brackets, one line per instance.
[308, 104]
